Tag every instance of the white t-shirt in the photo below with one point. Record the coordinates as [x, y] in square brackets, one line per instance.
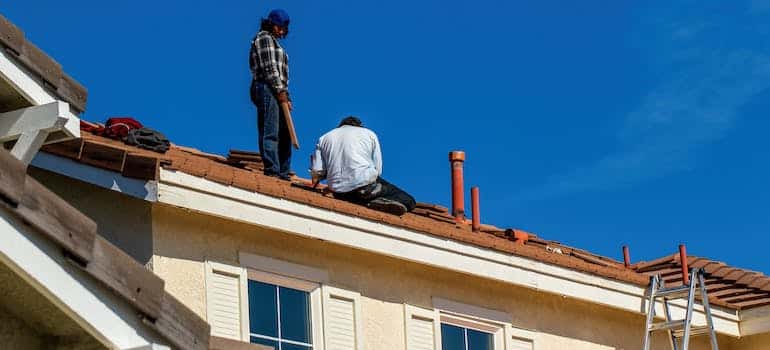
[348, 157]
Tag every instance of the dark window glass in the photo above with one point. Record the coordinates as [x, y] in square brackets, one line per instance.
[287, 346]
[480, 340]
[295, 315]
[263, 309]
[452, 337]
[267, 342]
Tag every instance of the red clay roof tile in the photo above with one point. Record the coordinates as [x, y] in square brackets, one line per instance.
[239, 170]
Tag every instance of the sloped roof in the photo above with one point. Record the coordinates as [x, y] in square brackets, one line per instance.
[13, 42]
[76, 234]
[735, 287]
[243, 169]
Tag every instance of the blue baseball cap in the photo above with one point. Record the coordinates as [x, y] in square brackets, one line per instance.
[279, 17]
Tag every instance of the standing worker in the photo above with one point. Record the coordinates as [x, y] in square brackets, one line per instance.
[350, 160]
[269, 89]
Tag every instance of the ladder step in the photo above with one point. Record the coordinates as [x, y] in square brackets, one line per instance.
[671, 325]
[694, 331]
[672, 293]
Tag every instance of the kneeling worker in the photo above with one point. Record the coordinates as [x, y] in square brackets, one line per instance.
[350, 160]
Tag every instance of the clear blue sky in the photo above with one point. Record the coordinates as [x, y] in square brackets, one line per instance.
[594, 123]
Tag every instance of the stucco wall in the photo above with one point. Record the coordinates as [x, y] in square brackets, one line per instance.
[184, 240]
[756, 342]
[123, 220]
[15, 334]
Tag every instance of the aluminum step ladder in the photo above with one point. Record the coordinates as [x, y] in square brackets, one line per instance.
[679, 331]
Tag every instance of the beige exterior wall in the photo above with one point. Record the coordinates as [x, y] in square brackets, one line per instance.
[756, 342]
[183, 241]
[123, 220]
[15, 334]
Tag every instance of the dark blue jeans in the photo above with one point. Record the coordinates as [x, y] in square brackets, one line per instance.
[274, 139]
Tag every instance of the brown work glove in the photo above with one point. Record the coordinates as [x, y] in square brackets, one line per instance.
[283, 96]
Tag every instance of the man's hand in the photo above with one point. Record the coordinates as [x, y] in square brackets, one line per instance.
[283, 96]
[316, 179]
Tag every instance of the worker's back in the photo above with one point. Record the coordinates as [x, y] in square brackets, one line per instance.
[351, 157]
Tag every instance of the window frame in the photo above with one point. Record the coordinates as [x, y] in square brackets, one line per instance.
[312, 288]
[482, 319]
[496, 330]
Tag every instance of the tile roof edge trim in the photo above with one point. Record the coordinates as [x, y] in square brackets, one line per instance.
[41, 263]
[187, 191]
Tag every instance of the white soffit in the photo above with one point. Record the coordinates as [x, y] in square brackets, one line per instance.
[142, 189]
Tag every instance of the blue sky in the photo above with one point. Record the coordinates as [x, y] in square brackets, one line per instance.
[593, 123]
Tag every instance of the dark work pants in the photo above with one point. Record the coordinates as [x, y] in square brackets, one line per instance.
[387, 191]
[274, 140]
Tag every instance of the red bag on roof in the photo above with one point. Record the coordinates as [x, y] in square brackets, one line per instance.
[118, 127]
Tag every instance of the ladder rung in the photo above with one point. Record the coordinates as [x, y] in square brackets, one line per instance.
[694, 331]
[671, 325]
[676, 292]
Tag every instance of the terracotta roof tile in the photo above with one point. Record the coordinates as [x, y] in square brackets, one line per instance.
[736, 288]
[726, 285]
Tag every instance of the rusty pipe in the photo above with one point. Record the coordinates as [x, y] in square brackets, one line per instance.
[476, 223]
[683, 261]
[626, 257]
[456, 159]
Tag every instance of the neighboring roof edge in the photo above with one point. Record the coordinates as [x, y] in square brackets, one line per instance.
[13, 41]
[77, 235]
[735, 287]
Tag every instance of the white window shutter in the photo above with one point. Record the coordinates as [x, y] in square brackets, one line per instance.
[227, 301]
[343, 327]
[519, 339]
[423, 328]
[521, 344]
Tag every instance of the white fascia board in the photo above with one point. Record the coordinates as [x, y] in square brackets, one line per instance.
[187, 191]
[755, 321]
[33, 90]
[145, 190]
[100, 312]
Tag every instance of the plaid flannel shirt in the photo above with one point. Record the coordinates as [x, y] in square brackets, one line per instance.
[269, 62]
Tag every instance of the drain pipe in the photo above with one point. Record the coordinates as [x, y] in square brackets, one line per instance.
[626, 256]
[456, 159]
[476, 223]
[685, 268]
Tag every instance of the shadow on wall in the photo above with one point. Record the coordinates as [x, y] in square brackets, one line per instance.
[124, 221]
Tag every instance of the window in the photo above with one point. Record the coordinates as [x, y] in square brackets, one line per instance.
[467, 333]
[456, 326]
[279, 317]
[272, 302]
[281, 311]
[462, 338]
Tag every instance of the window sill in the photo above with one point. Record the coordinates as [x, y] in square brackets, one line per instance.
[219, 343]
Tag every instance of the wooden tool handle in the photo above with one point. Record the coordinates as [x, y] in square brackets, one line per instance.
[290, 124]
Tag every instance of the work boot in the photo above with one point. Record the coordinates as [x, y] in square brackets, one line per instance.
[388, 206]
